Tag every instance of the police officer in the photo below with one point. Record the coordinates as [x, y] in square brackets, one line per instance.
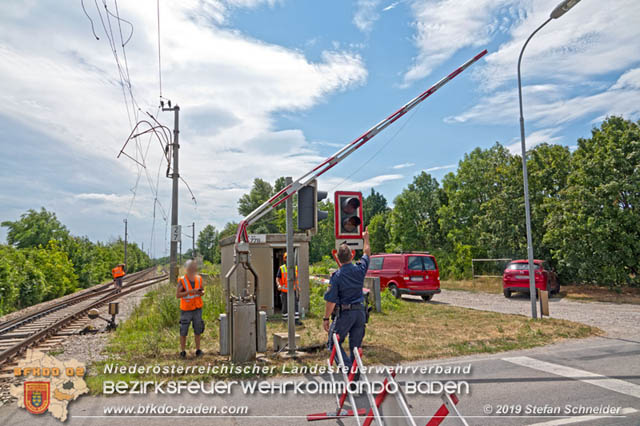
[345, 293]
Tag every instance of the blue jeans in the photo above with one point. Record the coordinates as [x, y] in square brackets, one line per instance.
[351, 323]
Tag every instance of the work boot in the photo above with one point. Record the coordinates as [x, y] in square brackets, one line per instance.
[199, 353]
[183, 354]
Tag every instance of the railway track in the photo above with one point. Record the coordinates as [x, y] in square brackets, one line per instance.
[56, 319]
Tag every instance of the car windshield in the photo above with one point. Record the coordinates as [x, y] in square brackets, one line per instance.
[520, 266]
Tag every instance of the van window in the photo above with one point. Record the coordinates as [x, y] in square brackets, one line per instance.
[376, 263]
[415, 263]
[429, 264]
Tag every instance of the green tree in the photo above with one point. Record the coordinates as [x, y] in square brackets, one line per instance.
[594, 228]
[35, 228]
[58, 276]
[379, 232]
[373, 204]
[207, 244]
[260, 192]
[324, 241]
[483, 207]
[413, 223]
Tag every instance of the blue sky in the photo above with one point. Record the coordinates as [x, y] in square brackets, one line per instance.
[271, 87]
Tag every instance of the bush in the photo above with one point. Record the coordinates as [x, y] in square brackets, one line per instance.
[322, 267]
[388, 301]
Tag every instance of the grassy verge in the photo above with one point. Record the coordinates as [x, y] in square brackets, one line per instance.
[587, 293]
[407, 330]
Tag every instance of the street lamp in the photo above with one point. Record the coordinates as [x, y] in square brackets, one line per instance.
[560, 10]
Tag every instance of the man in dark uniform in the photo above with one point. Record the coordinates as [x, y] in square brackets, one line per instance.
[345, 292]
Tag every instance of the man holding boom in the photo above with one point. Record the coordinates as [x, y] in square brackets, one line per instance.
[345, 293]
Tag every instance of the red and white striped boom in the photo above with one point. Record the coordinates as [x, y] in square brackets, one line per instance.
[343, 153]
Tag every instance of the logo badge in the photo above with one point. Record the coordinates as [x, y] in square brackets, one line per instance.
[36, 397]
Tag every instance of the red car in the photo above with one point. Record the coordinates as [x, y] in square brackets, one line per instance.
[406, 273]
[516, 277]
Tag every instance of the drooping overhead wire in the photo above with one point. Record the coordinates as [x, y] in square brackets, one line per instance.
[93, 30]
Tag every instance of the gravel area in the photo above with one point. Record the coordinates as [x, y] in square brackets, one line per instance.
[617, 320]
[89, 348]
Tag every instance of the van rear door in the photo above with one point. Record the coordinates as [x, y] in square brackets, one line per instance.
[422, 272]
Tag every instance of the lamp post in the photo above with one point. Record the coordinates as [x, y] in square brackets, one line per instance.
[560, 10]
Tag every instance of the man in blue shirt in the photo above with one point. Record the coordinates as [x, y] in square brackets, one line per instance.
[345, 292]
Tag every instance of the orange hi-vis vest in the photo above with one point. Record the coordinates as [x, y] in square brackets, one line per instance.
[192, 301]
[283, 279]
[117, 272]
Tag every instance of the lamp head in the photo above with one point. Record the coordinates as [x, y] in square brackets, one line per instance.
[563, 8]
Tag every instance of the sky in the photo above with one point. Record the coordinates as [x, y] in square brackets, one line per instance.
[269, 88]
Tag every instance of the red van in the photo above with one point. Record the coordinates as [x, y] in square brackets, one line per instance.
[406, 273]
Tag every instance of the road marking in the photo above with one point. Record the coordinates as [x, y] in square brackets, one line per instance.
[616, 385]
[580, 419]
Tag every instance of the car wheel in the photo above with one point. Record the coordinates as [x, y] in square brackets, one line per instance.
[427, 297]
[507, 293]
[394, 290]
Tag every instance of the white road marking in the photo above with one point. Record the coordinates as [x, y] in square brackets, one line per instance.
[580, 419]
[616, 385]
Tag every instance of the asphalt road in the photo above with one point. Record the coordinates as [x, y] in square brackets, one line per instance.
[595, 372]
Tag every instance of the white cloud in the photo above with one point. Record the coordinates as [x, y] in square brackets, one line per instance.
[403, 165]
[564, 66]
[590, 40]
[366, 14]
[337, 183]
[391, 6]
[228, 85]
[552, 105]
[436, 168]
[445, 26]
[535, 138]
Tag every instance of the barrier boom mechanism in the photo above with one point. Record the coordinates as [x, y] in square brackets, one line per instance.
[343, 153]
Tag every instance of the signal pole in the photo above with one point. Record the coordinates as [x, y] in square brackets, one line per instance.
[125, 244]
[175, 176]
[291, 276]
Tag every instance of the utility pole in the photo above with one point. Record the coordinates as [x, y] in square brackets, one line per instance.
[125, 244]
[193, 240]
[291, 276]
[175, 176]
[180, 262]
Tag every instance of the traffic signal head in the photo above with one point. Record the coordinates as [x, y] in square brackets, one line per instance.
[308, 213]
[348, 215]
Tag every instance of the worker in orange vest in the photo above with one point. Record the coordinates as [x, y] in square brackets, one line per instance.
[282, 282]
[190, 291]
[118, 274]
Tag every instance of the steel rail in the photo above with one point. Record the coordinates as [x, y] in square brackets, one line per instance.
[51, 329]
[9, 325]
